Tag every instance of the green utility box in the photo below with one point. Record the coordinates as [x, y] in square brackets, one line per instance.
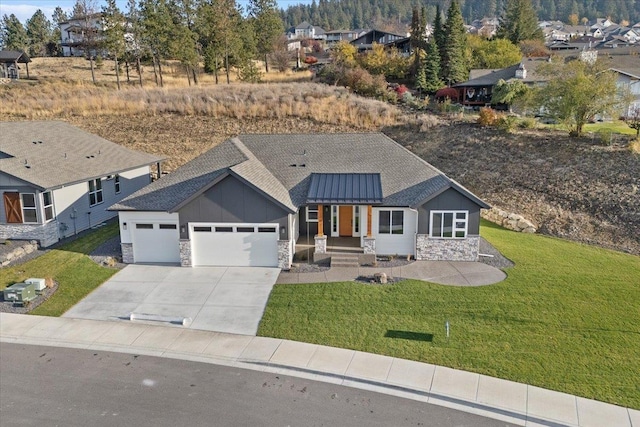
[20, 292]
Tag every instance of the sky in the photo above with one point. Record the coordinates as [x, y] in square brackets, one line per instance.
[24, 9]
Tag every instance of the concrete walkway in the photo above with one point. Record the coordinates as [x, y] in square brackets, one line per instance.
[517, 403]
[455, 273]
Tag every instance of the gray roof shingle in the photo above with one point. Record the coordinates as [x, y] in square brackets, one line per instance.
[281, 165]
[50, 154]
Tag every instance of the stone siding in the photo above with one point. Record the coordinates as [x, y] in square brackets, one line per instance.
[369, 245]
[285, 256]
[447, 249]
[127, 253]
[321, 244]
[185, 253]
[509, 220]
[45, 234]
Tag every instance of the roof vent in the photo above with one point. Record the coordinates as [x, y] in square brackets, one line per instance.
[34, 142]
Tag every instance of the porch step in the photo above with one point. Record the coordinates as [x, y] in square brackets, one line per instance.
[344, 260]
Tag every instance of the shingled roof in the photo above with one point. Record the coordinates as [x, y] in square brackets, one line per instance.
[50, 154]
[281, 165]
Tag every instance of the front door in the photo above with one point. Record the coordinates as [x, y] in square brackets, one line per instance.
[12, 208]
[346, 218]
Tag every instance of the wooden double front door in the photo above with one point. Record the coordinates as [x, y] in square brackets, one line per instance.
[12, 208]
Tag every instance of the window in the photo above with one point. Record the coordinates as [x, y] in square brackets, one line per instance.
[224, 229]
[449, 224]
[391, 222]
[356, 219]
[29, 207]
[312, 213]
[266, 229]
[95, 192]
[245, 229]
[168, 227]
[202, 229]
[144, 226]
[47, 202]
[116, 183]
[334, 220]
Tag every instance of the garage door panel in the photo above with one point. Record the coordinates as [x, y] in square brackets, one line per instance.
[235, 245]
[155, 243]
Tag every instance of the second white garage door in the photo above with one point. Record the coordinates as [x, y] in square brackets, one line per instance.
[250, 245]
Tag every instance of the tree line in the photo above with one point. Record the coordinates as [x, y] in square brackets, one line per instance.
[218, 33]
[397, 14]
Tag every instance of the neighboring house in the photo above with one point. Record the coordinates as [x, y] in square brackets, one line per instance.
[628, 70]
[366, 41]
[478, 90]
[247, 201]
[9, 60]
[57, 180]
[336, 36]
[77, 31]
[306, 31]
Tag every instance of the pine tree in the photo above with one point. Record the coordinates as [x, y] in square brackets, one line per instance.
[519, 22]
[438, 33]
[39, 33]
[432, 69]
[14, 35]
[454, 64]
[113, 24]
[267, 26]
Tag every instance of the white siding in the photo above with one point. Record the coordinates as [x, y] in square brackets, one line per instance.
[131, 218]
[392, 244]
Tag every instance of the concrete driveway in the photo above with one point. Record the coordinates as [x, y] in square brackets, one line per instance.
[222, 299]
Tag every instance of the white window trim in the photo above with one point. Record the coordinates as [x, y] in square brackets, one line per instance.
[116, 184]
[96, 191]
[45, 206]
[454, 229]
[391, 210]
[335, 221]
[312, 208]
[357, 221]
[35, 208]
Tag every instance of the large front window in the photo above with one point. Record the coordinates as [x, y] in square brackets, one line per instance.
[391, 222]
[29, 207]
[449, 224]
[95, 192]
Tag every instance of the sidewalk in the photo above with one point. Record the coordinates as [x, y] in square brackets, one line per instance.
[517, 403]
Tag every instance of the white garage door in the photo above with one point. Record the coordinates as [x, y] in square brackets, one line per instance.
[252, 245]
[155, 242]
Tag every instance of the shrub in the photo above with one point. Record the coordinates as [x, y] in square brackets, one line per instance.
[488, 117]
[528, 123]
[634, 146]
[99, 62]
[506, 123]
[401, 90]
[605, 136]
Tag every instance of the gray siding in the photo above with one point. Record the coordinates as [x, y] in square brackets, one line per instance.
[232, 201]
[449, 200]
[313, 226]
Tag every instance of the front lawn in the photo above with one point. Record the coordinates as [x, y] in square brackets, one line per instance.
[70, 266]
[566, 318]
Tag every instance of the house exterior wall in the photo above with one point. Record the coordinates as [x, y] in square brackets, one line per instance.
[395, 244]
[130, 218]
[232, 201]
[450, 200]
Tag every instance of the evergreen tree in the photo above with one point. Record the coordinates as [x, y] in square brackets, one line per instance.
[519, 22]
[113, 24]
[438, 33]
[39, 33]
[156, 23]
[267, 26]
[14, 35]
[454, 64]
[134, 44]
[183, 38]
[432, 69]
[54, 48]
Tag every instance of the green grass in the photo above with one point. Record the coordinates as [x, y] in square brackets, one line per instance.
[566, 318]
[617, 126]
[69, 265]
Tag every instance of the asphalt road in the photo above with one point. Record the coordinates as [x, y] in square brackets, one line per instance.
[47, 386]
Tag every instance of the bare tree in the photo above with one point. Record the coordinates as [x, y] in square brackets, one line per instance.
[86, 12]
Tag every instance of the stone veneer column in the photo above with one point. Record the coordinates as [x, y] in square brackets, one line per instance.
[127, 253]
[369, 245]
[185, 253]
[321, 244]
[447, 249]
[285, 256]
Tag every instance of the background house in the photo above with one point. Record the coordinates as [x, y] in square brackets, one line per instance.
[9, 63]
[306, 31]
[78, 33]
[57, 180]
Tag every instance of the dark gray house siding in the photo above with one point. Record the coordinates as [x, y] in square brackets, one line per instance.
[313, 226]
[231, 200]
[449, 200]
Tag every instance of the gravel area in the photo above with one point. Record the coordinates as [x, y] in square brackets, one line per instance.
[497, 260]
[305, 267]
[370, 280]
[11, 307]
[109, 253]
[391, 261]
